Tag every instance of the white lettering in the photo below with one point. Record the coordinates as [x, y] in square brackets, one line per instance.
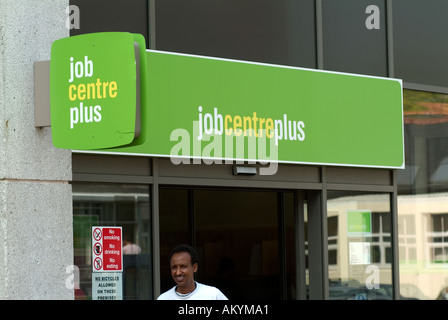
[195, 310]
[84, 114]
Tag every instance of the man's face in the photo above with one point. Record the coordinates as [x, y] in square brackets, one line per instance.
[183, 271]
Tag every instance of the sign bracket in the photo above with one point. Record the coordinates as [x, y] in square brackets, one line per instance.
[42, 116]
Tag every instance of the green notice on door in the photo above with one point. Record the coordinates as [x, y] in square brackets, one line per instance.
[359, 223]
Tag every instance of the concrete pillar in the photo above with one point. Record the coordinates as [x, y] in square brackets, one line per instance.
[36, 230]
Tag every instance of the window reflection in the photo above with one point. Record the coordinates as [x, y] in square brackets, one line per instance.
[423, 196]
[114, 205]
[359, 246]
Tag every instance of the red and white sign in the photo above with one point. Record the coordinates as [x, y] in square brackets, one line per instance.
[107, 253]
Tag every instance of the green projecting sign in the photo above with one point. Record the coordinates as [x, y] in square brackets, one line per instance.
[94, 90]
[195, 107]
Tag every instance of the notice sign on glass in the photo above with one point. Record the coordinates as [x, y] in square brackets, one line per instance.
[107, 286]
[359, 223]
[107, 255]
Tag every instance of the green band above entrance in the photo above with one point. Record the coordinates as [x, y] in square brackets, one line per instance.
[216, 109]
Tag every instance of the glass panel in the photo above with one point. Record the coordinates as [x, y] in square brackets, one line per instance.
[290, 234]
[423, 196]
[359, 246]
[239, 246]
[417, 26]
[242, 235]
[114, 205]
[307, 273]
[174, 207]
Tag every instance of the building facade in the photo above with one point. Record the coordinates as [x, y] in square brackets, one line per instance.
[282, 236]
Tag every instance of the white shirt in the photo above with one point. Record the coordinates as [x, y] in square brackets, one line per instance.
[202, 292]
[131, 249]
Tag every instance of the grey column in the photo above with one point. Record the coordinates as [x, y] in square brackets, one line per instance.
[36, 230]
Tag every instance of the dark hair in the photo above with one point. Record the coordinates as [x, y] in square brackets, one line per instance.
[188, 249]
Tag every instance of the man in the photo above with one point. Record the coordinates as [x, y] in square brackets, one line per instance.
[184, 264]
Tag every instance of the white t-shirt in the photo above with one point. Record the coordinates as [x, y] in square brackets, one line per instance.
[202, 292]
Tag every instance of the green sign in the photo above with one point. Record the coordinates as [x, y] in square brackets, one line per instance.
[93, 90]
[213, 109]
[359, 223]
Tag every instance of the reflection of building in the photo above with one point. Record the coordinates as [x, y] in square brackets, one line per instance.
[423, 241]
[107, 206]
[348, 264]
[422, 200]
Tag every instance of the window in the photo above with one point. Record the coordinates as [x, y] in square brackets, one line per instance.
[407, 240]
[114, 205]
[422, 195]
[359, 245]
[437, 239]
[332, 238]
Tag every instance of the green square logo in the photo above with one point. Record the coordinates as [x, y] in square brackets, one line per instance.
[93, 91]
[359, 223]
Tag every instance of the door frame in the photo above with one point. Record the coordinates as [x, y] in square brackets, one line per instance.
[306, 181]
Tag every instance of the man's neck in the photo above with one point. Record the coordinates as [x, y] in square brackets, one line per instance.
[186, 289]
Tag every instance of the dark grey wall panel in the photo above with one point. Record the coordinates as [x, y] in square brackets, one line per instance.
[348, 45]
[112, 15]
[421, 41]
[280, 32]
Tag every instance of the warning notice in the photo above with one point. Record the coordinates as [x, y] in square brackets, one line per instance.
[107, 286]
[107, 255]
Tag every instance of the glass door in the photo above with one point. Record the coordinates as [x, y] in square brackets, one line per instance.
[244, 239]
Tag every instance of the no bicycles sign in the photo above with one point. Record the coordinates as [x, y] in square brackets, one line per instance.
[107, 254]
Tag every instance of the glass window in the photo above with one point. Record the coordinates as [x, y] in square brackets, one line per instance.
[359, 246]
[125, 206]
[243, 233]
[437, 238]
[174, 226]
[423, 196]
[292, 278]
